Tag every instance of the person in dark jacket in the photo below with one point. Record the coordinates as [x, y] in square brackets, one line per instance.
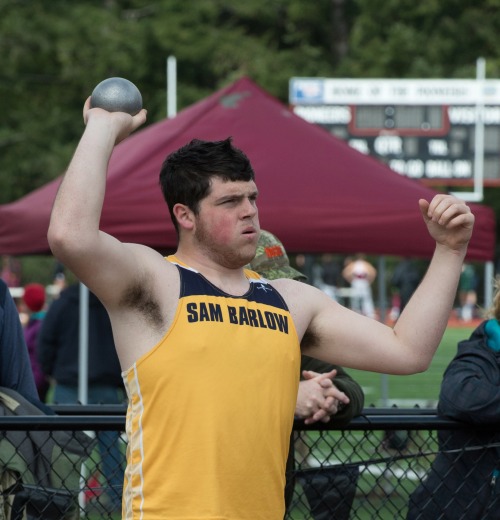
[464, 479]
[15, 367]
[58, 354]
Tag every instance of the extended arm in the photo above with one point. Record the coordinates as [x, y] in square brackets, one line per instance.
[97, 259]
[339, 336]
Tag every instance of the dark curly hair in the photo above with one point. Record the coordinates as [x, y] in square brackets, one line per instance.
[186, 174]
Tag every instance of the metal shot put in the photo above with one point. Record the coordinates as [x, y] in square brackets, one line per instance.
[117, 95]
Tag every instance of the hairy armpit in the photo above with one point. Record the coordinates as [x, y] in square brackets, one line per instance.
[309, 340]
[139, 297]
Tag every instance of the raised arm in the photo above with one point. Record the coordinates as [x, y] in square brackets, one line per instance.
[97, 259]
[425, 317]
[339, 336]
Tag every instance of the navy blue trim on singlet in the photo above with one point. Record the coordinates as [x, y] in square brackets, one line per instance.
[195, 284]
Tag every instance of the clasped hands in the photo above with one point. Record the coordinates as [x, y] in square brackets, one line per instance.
[318, 398]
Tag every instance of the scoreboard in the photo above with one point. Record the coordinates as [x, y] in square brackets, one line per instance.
[423, 129]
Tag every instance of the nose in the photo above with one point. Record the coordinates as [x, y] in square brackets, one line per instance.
[249, 208]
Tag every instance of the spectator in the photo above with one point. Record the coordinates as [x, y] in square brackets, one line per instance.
[319, 397]
[361, 274]
[58, 348]
[463, 481]
[34, 300]
[15, 368]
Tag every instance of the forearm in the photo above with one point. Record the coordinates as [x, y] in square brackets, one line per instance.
[78, 204]
[424, 319]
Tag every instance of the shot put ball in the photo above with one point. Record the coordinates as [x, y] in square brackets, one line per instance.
[117, 95]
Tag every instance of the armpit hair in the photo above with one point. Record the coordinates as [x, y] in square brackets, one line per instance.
[139, 297]
[309, 340]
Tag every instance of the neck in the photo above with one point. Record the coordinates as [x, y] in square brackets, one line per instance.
[230, 280]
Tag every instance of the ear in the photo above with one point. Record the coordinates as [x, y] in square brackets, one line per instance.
[185, 217]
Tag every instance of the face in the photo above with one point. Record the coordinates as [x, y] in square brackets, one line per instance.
[227, 224]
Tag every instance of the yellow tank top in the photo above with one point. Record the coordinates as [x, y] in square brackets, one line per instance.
[211, 407]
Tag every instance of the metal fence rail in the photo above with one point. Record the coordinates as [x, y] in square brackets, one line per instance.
[368, 470]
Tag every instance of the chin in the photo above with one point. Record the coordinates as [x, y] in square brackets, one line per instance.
[246, 255]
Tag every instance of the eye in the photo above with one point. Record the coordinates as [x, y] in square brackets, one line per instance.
[228, 202]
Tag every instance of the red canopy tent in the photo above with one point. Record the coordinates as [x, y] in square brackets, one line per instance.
[317, 193]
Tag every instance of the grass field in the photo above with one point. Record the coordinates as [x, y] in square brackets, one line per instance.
[421, 389]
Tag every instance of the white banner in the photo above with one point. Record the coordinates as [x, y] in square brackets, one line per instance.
[310, 91]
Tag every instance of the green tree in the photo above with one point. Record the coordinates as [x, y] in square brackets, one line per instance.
[54, 53]
[426, 39]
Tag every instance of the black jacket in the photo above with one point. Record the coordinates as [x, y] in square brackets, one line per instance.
[58, 342]
[15, 366]
[462, 482]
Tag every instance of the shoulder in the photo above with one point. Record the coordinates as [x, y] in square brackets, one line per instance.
[289, 289]
[304, 301]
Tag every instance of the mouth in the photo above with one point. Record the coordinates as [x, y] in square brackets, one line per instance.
[249, 231]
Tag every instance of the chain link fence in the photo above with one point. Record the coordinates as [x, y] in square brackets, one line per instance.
[367, 471]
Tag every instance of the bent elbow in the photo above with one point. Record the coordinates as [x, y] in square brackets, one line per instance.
[63, 242]
[419, 365]
[57, 240]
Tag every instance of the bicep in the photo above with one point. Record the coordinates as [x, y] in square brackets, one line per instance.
[343, 337]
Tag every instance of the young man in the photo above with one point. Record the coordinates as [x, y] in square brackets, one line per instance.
[210, 352]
